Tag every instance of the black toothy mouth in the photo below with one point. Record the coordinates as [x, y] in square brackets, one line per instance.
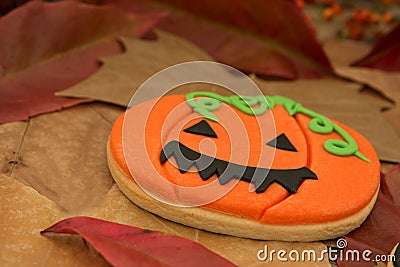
[207, 166]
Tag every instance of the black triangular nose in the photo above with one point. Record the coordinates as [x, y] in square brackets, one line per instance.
[282, 142]
[201, 128]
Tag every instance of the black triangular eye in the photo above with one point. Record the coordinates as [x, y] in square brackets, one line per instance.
[282, 142]
[201, 128]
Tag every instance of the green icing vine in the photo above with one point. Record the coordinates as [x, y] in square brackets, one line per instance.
[318, 124]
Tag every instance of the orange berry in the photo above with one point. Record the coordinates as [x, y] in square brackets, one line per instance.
[388, 17]
[300, 4]
[308, 18]
[361, 15]
[356, 33]
[336, 8]
[365, 16]
[355, 15]
[375, 18]
[328, 14]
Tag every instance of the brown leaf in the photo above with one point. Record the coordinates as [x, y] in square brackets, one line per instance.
[126, 72]
[118, 208]
[36, 60]
[266, 37]
[10, 139]
[386, 83]
[343, 102]
[24, 212]
[124, 245]
[343, 53]
[62, 155]
[236, 247]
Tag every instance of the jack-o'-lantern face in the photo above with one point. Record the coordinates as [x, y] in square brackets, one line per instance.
[285, 165]
[186, 156]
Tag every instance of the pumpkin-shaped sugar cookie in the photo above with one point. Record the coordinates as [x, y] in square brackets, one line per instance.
[261, 167]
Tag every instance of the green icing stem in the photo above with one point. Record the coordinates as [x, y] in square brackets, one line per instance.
[318, 124]
[204, 106]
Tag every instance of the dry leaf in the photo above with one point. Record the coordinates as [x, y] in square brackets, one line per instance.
[24, 213]
[385, 215]
[391, 185]
[386, 53]
[343, 52]
[124, 245]
[10, 139]
[343, 102]
[61, 155]
[36, 60]
[245, 251]
[241, 251]
[266, 37]
[126, 72]
[387, 83]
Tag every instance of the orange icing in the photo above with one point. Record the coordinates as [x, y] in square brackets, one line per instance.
[345, 184]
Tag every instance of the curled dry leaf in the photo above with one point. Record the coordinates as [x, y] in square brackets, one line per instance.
[266, 37]
[342, 53]
[47, 47]
[62, 155]
[386, 83]
[386, 53]
[126, 72]
[24, 212]
[123, 245]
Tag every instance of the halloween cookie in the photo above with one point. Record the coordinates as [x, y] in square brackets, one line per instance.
[261, 167]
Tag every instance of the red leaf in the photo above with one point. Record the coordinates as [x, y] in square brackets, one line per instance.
[380, 231]
[390, 185]
[353, 244]
[265, 37]
[385, 55]
[47, 47]
[123, 245]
